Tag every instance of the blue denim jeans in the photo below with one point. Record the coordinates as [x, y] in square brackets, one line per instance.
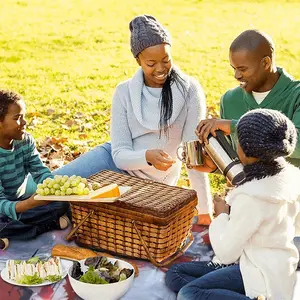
[33, 222]
[204, 281]
[94, 161]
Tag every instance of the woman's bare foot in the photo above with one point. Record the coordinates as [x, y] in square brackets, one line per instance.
[204, 219]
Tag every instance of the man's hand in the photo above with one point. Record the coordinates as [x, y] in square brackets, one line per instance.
[205, 127]
[220, 206]
[30, 203]
[159, 159]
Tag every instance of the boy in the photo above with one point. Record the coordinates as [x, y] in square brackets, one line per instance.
[22, 217]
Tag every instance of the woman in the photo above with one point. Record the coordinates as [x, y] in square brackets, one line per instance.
[152, 114]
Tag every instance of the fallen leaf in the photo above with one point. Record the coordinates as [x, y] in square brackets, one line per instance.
[50, 111]
[70, 123]
[79, 115]
[83, 136]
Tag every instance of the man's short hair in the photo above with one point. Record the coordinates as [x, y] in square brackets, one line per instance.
[253, 40]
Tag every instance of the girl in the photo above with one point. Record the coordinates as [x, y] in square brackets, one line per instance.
[259, 230]
[152, 114]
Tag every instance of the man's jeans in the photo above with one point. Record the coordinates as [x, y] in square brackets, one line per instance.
[201, 280]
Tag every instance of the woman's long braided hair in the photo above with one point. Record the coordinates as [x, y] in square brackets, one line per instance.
[166, 99]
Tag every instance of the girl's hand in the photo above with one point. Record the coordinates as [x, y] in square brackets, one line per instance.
[159, 159]
[220, 206]
[208, 164]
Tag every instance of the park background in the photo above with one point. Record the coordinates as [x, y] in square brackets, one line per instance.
[67, 56]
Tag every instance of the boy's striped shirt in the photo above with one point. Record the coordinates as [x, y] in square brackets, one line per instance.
[15, 165]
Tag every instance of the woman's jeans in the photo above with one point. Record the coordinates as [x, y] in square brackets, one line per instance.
[91, 162]
[207, 281]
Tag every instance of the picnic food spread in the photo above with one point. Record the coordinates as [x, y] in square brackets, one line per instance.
[100, 271]
[76, 185]
[34, 270]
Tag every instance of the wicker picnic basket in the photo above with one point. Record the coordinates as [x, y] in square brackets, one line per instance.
[150, 221]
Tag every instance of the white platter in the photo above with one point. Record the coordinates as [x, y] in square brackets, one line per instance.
[84, 198]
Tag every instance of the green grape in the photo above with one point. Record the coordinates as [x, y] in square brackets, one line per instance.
[57, 193]
[47, 180]
[86, 191]
[79, 191]
[50, 184]
[67, 184]
[95, 186]
[74, 183]
[40, 191]
[69, 191]
[81, 185]
[84, 180]
[56, 186]
[57, 178]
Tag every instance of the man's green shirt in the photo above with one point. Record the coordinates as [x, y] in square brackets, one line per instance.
[284, 96]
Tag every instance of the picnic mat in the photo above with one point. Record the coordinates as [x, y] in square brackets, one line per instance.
[149, 285]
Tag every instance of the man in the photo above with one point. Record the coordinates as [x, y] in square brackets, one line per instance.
[262, 85]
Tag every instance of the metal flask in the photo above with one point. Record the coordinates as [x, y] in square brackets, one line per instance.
[226, 159]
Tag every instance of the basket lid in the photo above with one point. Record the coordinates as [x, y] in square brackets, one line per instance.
[146, 196]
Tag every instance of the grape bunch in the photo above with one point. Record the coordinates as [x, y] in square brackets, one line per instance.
[63, 186]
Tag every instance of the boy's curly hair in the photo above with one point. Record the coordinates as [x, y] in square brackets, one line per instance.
[7, 98]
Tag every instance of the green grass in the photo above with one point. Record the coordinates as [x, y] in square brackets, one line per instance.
[68, 55]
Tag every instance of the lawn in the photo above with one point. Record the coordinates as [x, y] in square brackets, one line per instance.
[66, 56]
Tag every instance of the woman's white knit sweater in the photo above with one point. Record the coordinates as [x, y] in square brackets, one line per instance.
[259, 232]
[135, 129]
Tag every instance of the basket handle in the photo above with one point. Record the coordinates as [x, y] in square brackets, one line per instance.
[73, 231]
[172, 257]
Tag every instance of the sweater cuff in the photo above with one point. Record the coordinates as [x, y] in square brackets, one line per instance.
[233, 126]
[12, 210]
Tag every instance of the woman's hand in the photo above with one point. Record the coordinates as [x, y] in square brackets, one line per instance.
[220, 206]
[208, 126]
[159, 159]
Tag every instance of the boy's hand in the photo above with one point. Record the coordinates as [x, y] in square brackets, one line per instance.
[159, 159]
[30, 203]
[220, 206]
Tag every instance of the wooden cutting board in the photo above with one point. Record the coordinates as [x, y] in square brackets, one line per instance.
[83, 198]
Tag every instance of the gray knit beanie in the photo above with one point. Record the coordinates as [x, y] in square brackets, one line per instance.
[146, 32]
[266, 134]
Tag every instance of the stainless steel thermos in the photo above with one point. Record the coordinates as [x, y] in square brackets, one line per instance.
[226, 159]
